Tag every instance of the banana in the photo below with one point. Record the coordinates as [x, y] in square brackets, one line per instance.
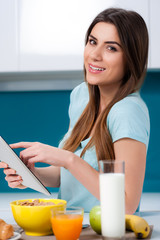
[138, 225]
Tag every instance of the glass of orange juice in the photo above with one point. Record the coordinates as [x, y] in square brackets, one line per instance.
[67, 223]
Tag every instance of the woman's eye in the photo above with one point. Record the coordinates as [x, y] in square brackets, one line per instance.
[111, 48]
[91, 41]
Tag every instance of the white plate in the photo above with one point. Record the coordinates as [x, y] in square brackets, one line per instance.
[16, 236]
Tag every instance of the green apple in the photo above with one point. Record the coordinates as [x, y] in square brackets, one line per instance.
[95, 219]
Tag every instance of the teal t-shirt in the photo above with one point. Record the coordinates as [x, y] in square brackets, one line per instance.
[128, 118]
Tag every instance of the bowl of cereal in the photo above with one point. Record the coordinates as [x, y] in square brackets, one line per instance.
[33, 215]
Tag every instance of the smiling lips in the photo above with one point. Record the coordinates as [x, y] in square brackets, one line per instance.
[95, 69]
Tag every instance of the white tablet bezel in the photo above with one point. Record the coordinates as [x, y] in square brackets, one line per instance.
[8, 156]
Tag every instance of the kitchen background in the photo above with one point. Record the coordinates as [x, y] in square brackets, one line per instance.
[41, 61]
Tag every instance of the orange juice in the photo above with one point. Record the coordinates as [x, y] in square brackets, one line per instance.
[67, 226]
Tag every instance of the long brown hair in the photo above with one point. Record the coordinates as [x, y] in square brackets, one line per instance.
[133, 36]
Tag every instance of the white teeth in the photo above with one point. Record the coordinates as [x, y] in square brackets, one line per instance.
[98, 69]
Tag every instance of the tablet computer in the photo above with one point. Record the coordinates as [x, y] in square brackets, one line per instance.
[8, 156]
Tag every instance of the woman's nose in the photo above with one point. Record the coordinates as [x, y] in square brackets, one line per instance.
[96, 54]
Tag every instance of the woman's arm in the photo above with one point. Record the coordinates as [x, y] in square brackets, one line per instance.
[84, 173]
[49, 176]
[134, 154]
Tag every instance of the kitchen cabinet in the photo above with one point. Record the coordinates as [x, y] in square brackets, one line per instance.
[12, 58]
[8, 36]
[154, 33]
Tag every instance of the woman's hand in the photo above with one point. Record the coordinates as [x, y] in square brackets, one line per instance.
[14, 180]
[38, 152]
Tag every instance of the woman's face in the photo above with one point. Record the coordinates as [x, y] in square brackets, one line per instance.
[103, 56]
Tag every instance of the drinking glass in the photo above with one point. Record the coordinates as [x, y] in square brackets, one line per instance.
[112, 198]
[67, 223]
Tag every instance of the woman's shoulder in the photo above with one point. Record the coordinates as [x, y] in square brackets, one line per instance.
[129, 118]
[133, 103]
[80, 91]
[79, 96]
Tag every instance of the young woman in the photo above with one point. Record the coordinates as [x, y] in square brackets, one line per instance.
[108, 118]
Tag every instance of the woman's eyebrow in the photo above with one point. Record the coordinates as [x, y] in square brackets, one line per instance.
[111, 42]
[92, 37]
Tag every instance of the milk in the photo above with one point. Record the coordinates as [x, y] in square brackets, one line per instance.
[112, 198]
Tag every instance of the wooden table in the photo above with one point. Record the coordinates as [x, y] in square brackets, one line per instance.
[152, 203]
[86, 234]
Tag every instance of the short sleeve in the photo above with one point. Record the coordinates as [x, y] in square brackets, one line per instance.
[129, 118]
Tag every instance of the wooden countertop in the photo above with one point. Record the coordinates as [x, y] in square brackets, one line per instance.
[86, 234]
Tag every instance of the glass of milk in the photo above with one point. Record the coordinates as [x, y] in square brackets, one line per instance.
[112, 198]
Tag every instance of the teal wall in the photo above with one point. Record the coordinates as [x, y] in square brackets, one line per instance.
[151, 94]
[33, 116]
[43, 116]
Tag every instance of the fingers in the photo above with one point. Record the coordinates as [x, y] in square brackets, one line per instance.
[14, 181]
[21, 145]
[16, 185]
[11, 175]
[3, 165]
[13, 178]
[9, 171]
[33, 160]
[27, 153]
[33, 152]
